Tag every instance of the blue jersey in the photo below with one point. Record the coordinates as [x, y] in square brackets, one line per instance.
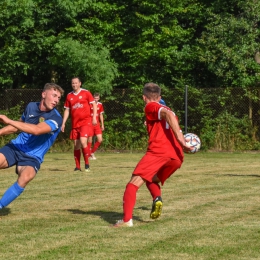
[37, 145]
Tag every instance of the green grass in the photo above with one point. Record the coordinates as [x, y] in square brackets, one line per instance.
[211, 211]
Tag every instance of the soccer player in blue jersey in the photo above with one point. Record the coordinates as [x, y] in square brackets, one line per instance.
[39, 126]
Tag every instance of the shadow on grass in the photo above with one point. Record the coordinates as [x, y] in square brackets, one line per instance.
[57, 170]
[109, 217]
[4, 212]
[243, 175]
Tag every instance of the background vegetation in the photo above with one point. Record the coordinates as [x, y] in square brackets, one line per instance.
[126, 43]
[123, 44]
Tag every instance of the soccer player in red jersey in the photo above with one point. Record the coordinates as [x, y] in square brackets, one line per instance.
[77, 105]
[98, 128]
[163, 157]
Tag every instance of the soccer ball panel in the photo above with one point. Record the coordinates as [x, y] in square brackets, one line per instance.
[192, 140]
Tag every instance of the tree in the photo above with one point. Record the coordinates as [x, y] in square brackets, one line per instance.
[229, 43]
[154, 42]
[38, 45]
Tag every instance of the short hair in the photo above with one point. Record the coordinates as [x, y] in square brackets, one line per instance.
[96, 94]
[151, 90]
[54, 86]
[76, 78]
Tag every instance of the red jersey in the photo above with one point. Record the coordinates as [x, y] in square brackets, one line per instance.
[79, 105]
[162, 141]
[100, 110]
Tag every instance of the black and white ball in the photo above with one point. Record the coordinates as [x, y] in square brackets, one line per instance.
[192, 140]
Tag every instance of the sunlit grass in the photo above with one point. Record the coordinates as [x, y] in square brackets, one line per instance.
[211, 211]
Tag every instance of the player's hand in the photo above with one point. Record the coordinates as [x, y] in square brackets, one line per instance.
[187, 148]
[94, 121]
[63, 128]
[4, 119]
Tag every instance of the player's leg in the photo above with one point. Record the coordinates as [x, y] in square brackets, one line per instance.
[98, 134]
[5, 153]
[97, 143]
[85, 133]
[74, 135]
[3, 161]
[84, 148]
[129, 200]
[90, 139]
[77, 154]
[155, 191]
[25, 175]
[164, 173]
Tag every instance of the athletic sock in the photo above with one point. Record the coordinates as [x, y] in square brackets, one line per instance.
[96, 145]
[154, 189]
[11, 194]
[89, 149]
[85, 152]
[129, 200]
[77, 155]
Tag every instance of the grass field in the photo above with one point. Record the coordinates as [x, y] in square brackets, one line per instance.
[211, 211]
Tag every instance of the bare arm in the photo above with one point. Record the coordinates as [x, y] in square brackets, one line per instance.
[94, 118]
[65, 118]
[102, 121]
[171, 119]
[39, 129]
[9, 129]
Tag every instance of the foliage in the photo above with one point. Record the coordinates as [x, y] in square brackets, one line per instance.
[127, 43]
[90, 63]
[229, 133]
[229, 43]
[125, 129]
[155, 41]
[37, 45]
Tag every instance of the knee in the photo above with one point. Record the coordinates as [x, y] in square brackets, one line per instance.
[25, 178]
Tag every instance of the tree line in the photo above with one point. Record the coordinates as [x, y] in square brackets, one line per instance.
[123, 44]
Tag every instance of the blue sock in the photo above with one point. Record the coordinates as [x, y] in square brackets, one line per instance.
[11, 194]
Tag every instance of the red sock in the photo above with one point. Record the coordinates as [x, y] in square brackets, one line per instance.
[85, 155]
[96, 145]
[89, 149]
[77, 154]
[129, 201]
[154, 189]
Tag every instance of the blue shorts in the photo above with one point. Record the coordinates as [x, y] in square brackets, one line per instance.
[18, 158]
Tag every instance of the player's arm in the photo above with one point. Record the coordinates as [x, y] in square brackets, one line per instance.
[101, 117]
[65, 118]
[94, 118]
[39, 129]
[9, 129]
[171, 119]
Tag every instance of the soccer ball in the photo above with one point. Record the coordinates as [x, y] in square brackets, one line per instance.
[192, 140]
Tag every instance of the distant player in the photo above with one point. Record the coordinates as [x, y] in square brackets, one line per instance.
[163, 157]
[98, 128]
[77, 104]
[39, 127]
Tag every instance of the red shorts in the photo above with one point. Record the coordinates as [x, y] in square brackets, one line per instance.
[97, 130]
[82, 131]
[151, 165]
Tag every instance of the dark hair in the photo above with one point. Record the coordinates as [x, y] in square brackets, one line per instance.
[76, 78]
[152, 90]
